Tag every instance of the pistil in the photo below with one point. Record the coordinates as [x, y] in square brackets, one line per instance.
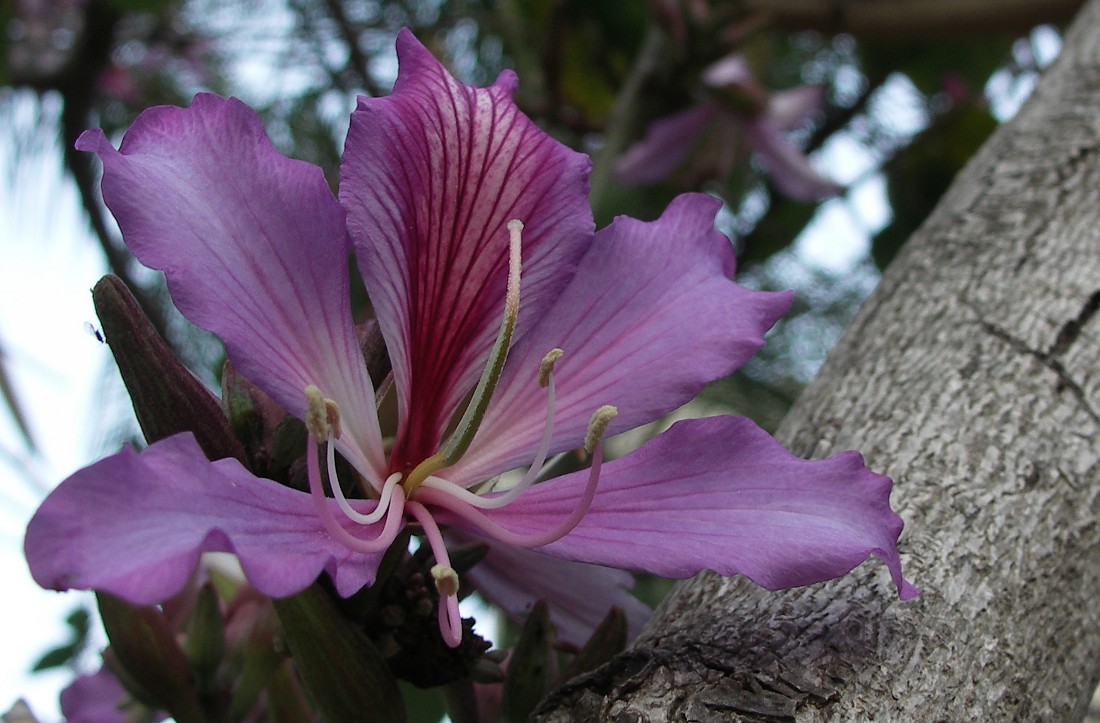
[483, 393]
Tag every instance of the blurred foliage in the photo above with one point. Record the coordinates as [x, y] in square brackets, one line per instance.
[594, 74]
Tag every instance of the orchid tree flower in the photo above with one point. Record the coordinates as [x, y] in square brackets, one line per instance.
[507, 320]
[740, 111]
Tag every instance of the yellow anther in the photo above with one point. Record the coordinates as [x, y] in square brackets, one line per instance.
[546, 367]
[598, 425]
[332, 416]
[317, 420]
[446, 580]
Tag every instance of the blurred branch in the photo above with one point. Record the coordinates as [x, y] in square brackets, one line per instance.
[358, 61]
[76, 81]
[7, 392]
[622, 115]
[913, 20]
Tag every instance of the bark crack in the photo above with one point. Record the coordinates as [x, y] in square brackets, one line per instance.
[1072, 328]
[1066, 336]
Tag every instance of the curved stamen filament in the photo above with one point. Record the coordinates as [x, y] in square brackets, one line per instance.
[481, 520]
[394, 511]
[492, 503]
[354, 515]
[467, 427]
[450, 621]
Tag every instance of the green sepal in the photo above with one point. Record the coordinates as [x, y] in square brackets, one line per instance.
[532, 669]
[344, 673]
[145, 647]
[205, 643]
[167, 397]
[608, 640]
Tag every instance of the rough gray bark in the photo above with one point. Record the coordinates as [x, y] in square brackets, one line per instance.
[972, 378]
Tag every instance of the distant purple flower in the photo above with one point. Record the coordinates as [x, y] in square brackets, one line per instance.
[433, 182]
[718, 129]
[98, 698]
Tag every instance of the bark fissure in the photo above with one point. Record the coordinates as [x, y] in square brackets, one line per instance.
[1048, 358]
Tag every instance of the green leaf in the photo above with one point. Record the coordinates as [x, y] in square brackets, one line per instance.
[342, 670]
[58, 657]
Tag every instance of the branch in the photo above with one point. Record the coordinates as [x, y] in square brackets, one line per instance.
[970, 378]
[913, 20]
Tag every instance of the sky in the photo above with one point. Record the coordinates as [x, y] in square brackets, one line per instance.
[48, 264]
[47, 267]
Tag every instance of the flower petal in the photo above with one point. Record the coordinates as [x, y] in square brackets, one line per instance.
[666, 145]
[135, 524]
[788, 168]
[788, 108]
[649, 319]
[579, 595]
[254, 249]
[96, 698]
[431, 176]
[721, 494]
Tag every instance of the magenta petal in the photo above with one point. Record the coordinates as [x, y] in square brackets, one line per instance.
[788, 168]
[667, 143]
[579, 595]
[431, 176]
[135, 524]
[649, 319]
[721, 494]
[254, 249]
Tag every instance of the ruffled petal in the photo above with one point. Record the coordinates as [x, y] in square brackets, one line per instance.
[649, 319]
[134, 525]
[254, 249]
[666, 145]
[721, 494]
[579, 595]
[431, 176]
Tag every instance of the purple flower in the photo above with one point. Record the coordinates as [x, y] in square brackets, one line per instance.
[100, 698]
[761, 119]
[444, 190]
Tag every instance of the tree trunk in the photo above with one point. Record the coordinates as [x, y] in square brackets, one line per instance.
[972, 378]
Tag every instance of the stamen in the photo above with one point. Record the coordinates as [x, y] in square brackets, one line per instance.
[446, 580]
[546, 366]
[394, 518]
[475, 411]
[332, 415]
[316, 413]
[596, 427]
[546, 380]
